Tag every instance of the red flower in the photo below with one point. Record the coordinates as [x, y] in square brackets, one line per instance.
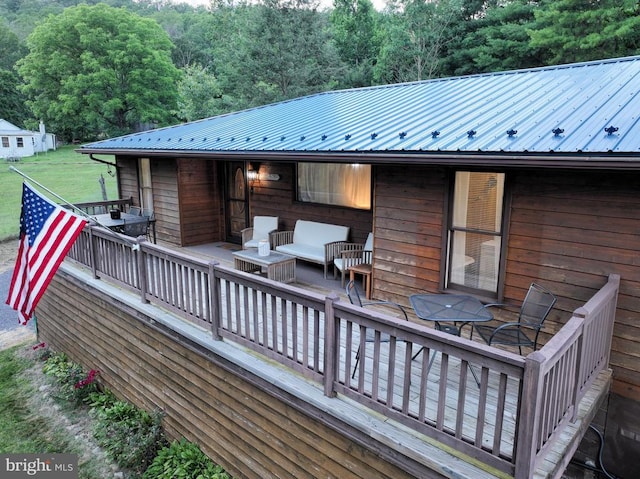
[88, 380]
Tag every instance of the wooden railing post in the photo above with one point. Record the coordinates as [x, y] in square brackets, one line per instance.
[330, 346]
[92, 254]
[214, 304]
[614, 280]
[142, 267]
[580, 360]
[528, 417]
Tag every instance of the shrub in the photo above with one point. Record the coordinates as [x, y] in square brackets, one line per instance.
[130, 436]
[183, 460]
[73, 384]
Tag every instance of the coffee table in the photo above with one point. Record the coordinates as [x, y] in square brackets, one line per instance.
[280, 267]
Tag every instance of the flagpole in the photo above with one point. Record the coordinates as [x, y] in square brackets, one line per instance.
[39, 185]
[75, 208]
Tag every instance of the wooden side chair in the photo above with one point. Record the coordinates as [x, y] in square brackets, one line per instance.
[352, 254]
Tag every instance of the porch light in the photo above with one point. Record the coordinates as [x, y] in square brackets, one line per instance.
[253, 172]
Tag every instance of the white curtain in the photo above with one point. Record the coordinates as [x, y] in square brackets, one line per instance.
[335, 184]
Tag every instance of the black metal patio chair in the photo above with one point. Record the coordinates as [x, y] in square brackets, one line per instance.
[136, 228]
[356, 299]
[534, 310]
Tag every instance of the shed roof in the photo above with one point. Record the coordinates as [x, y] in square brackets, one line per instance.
[578, 111]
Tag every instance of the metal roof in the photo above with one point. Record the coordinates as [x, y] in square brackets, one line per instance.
[581, 109]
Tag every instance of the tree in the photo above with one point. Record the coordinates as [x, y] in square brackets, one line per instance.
[11, 49]
[497, 40]
[417, 31]
[13, 107]
[287, 53]
[200, 95]
[356, 38]
[99, 71]
[583, 30]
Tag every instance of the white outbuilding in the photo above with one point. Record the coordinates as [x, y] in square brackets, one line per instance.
[16, 143]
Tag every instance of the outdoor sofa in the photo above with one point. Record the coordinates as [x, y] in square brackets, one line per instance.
[310, 241]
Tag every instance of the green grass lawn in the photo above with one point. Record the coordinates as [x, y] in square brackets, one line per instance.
[32, 421]
[72, 176]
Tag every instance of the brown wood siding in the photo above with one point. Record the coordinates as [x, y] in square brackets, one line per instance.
[164, 182]
[568, 232]
[200, 202]
[277, 198]
[408, 231]
[251, 431]
[127, 169]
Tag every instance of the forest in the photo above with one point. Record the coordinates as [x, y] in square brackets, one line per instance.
[93, 69]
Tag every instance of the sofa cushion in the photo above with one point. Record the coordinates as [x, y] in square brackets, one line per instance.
[302, 251]
[263, 225]
[314, 234]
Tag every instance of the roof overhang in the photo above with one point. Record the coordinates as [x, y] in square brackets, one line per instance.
[483, 159]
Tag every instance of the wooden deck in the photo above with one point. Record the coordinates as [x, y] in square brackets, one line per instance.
[523, 412]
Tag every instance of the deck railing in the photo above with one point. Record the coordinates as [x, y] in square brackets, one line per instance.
[495, 406]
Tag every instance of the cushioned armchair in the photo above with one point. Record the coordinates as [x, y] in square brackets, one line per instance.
[262, 227]
[352, 254]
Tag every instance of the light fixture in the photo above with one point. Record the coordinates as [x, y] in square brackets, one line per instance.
[253, 172]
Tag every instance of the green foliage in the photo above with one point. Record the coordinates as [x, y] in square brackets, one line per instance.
[11, 49]
[357, 39]
[130, 436]
[72, 383]
[579, 30]
[495, 41]
[22, 428]
[183, 460]
[288, 53]
[200, 95]
[417, 33]
[98, 70]
[13, 106]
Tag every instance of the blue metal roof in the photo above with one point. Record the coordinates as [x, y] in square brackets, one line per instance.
[559, 109]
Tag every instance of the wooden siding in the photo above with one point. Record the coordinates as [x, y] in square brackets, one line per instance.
[127, 169]
[570, 230]
[200, 202]
[408, 231]
[567, 231]
[164, 183]
[201, 393]
[277, 198]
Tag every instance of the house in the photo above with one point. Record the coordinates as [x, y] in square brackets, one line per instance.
[16, 143]
[479, 184]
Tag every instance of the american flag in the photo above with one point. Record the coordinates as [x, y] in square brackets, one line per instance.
[47, 231]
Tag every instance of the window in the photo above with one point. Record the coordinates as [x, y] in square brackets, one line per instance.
[335, 184]
[20, 142]
[475, 231]
[5, 142]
